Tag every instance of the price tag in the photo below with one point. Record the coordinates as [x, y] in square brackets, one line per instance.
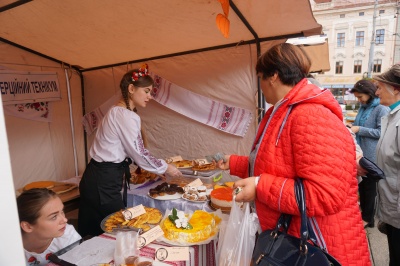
[133, 212]
[174, 159]
[172, 254]
[148, 237]
[195, 183]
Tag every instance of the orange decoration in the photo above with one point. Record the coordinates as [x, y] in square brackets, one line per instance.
[223, 25]
[225, 6]
[222, 19]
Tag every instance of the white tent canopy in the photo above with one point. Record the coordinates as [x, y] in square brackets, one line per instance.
[98, 40]
[91, 43]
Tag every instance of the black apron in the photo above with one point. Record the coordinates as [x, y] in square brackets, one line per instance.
[100, 194]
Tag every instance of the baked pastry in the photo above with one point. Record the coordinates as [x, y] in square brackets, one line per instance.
[205, 225]
[183, 164]
[204, 167]
[39, 184]
[222, 198]
[117, 220]
[201, 189]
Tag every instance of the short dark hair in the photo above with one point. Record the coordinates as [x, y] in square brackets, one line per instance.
[367, 87]
[30, 202]
[289, 61]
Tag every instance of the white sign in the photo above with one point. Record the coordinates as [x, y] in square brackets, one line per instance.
[27, 87]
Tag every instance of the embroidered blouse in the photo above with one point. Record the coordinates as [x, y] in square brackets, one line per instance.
[119, 137]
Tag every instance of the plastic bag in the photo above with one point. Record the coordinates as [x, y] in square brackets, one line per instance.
[236, 242]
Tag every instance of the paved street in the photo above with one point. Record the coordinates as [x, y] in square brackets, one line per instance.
[378, 246]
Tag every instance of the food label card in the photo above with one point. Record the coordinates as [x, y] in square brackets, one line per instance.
[151, 235]
[133, 212]
[172, 254]
[174, 159]
[195, 183]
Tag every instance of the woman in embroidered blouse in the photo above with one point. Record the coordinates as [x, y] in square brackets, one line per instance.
[388, 159]
[118, 142]
[367, 127]
[43, 225]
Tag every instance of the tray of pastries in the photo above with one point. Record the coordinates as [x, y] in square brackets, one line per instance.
[140, 176]
[146, 221]
[166, 191]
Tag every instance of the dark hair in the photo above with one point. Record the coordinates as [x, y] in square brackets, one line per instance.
[127, 79]
[367, 87]
[30, 202]
[289, 61]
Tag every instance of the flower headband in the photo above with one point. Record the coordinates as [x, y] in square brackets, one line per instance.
[143, 71]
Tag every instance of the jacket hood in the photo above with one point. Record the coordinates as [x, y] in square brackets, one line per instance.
[305, 92]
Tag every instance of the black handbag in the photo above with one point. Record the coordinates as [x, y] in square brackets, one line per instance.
[277, 247]
[374, 173]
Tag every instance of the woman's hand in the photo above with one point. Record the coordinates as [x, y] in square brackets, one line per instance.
[355, 129]
[224, 165]
[248, 192]
[172, 172]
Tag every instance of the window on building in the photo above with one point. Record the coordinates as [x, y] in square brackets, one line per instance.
[341, 16]
[377, 65]
[380, 36]
[339, 67]
[357, 66]
[381, 11]
[361, 14]
[360, 38]
[340, 39]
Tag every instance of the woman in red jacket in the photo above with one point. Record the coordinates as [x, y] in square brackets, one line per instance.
[302, 135]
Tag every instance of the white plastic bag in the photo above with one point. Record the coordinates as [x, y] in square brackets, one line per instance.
[237, 240]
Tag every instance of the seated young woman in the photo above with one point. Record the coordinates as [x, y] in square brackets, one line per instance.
[43, 225]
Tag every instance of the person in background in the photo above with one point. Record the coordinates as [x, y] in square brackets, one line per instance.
[43, 225]
[117, 143]
[302, 136]
[388, 159]
[367, 127]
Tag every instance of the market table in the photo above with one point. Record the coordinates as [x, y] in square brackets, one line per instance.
[104, 245]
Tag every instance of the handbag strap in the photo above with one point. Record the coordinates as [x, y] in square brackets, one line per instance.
[301, 202]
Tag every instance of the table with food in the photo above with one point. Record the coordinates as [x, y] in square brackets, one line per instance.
[167, 222]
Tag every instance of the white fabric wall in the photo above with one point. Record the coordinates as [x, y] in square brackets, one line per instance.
[40, 150]
[226, 75]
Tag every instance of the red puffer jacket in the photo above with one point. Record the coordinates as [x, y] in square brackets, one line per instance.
[305, 137]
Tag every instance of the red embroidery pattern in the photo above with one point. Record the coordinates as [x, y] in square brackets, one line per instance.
[33, 261]
[38, 106]
[146, 154]
[226, 118]
[156, 87]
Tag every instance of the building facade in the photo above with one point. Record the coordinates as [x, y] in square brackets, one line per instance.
[356, 37]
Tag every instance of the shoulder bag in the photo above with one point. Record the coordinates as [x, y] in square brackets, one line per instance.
[277, 247]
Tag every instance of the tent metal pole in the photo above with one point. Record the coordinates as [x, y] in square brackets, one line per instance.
[14, 5]
[71, 121]
[261, 99]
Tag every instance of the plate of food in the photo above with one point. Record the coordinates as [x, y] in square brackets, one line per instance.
[188, 229]
[198, 194]
[144, 222]
[166, 191]
[183, 164]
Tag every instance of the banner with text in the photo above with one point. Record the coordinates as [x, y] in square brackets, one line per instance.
[27, 87]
